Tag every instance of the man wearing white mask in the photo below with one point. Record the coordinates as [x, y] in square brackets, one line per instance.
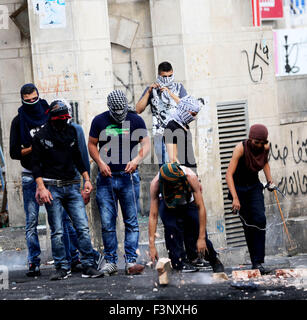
[163, 97]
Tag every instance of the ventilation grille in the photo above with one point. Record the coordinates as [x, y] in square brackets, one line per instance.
[232, 128]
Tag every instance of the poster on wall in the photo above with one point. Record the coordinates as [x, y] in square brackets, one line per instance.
[271, 9]
[52, 13]
[297, 12]
[290, 49]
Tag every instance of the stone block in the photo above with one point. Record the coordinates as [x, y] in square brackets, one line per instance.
[245, 274]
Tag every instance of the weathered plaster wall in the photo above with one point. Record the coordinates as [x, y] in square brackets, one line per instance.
[15, 70]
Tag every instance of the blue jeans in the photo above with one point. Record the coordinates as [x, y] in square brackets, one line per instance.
[70, 199]
[70, 239]
[253, 212]
[181, 230]
[120, 187]
[160, 149]
[31, 208]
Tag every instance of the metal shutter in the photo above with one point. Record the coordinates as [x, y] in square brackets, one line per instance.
[232, 128]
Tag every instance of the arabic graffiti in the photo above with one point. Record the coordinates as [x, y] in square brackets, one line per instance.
[295, 183]
[262, 55]
[298, 151]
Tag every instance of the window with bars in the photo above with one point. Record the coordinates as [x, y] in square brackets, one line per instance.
[232, 128]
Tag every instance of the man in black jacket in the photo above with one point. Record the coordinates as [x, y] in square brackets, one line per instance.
[31, 117]
[55, 155]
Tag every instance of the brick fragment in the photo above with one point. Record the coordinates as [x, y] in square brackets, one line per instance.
[220, 276]
[245, 274]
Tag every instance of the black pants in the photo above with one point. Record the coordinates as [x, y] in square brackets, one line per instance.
[181, 229]
[253, 212]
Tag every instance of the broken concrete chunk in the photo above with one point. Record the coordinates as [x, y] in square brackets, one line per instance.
[291, 273]
[245, 274]
[163, 267]
[220, 276]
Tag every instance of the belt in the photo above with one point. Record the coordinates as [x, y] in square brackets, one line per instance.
[60, 183]
[27, 174]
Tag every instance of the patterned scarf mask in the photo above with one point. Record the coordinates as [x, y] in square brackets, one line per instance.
[118, 105]
[174, 185]
[169, 83]
[182, 114]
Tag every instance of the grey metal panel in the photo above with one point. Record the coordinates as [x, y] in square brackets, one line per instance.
[232, 120]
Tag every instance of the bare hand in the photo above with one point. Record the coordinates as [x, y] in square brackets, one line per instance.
[105, 170]
[87, 187]
[153, 254]
[154, 85]
[201, 246]
[43, 196]
[236, 205]
[165, 89]
[131, 166]
[86, 197]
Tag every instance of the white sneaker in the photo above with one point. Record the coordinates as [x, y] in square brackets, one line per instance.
[109, 269]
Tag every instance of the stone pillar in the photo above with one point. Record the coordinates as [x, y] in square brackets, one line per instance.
[15, 66]
[72, 60]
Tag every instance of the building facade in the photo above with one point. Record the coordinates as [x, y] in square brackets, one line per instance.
[83, 49]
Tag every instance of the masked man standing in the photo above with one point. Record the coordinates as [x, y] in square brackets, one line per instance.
[56, 154]
[246, 191]
[163, 97]
[118, 134]
[31, 117]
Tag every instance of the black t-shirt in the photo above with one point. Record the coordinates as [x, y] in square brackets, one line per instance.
[15, 143]
[118, 143]
[174, 133]
[244, 176]
[54, 158]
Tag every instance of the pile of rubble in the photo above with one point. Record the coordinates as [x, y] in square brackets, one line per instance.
[280, 277]
[247, 279]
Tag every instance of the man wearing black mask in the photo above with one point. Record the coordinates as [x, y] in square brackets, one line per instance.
[56, 154]
[31, 117]
[246, 191]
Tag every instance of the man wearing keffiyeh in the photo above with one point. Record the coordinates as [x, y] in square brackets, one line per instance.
[175, 195]
[163, 96]
[117, 133]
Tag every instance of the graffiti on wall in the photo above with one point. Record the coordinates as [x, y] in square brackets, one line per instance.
[127, 83]
[295, 152]
[259, 59]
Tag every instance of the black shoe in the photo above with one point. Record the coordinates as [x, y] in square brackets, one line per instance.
[76, 266]
[260, 267]
[187, 267]
[217, 266]
[91, 272]
[60, 274]
[200, 263]
[34, 270]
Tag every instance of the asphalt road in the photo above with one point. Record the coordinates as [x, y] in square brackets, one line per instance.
[189, 286]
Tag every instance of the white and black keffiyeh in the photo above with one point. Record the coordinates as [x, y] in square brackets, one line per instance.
[170, 84]
[162, 103]
[118, 105]
[182, 114]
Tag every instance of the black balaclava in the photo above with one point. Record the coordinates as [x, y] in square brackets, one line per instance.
[31, 114]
